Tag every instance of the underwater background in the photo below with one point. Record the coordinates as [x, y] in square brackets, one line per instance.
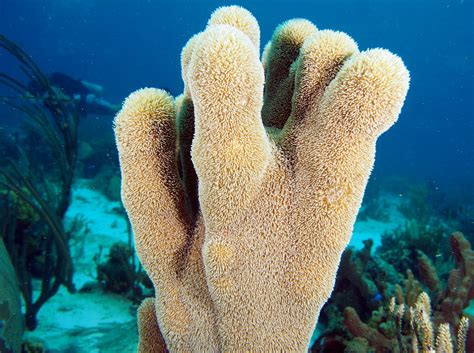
[420, 193]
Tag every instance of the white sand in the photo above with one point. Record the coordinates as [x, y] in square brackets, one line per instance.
[96, 321]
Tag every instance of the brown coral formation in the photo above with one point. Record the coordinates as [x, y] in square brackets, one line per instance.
[246, 263]
[423, 325]
[460, 288]
[374, 337]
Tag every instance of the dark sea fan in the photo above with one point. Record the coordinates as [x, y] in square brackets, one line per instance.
[44, 191]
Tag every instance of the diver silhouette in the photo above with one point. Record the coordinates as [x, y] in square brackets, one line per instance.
[87, 95]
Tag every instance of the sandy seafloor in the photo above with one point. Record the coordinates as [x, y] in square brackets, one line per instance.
[96, 321]
[99, 321]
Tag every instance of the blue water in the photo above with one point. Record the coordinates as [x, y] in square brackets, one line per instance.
[125, 45]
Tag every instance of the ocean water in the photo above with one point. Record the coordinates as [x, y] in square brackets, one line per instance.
[420, 192]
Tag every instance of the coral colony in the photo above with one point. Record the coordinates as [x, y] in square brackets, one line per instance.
[281, 173]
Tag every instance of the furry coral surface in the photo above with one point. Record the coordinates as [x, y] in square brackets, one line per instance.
[151, 340]
[246, 262]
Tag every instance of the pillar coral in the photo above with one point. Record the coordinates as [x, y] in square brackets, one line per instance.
[243, 191]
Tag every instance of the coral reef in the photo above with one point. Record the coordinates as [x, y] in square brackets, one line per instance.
[119, 273]
[459, 291]
[250, 262]
[364, 281]
[401, 246]
[402, 326]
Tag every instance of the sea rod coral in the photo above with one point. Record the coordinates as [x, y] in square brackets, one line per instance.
[243, 192]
